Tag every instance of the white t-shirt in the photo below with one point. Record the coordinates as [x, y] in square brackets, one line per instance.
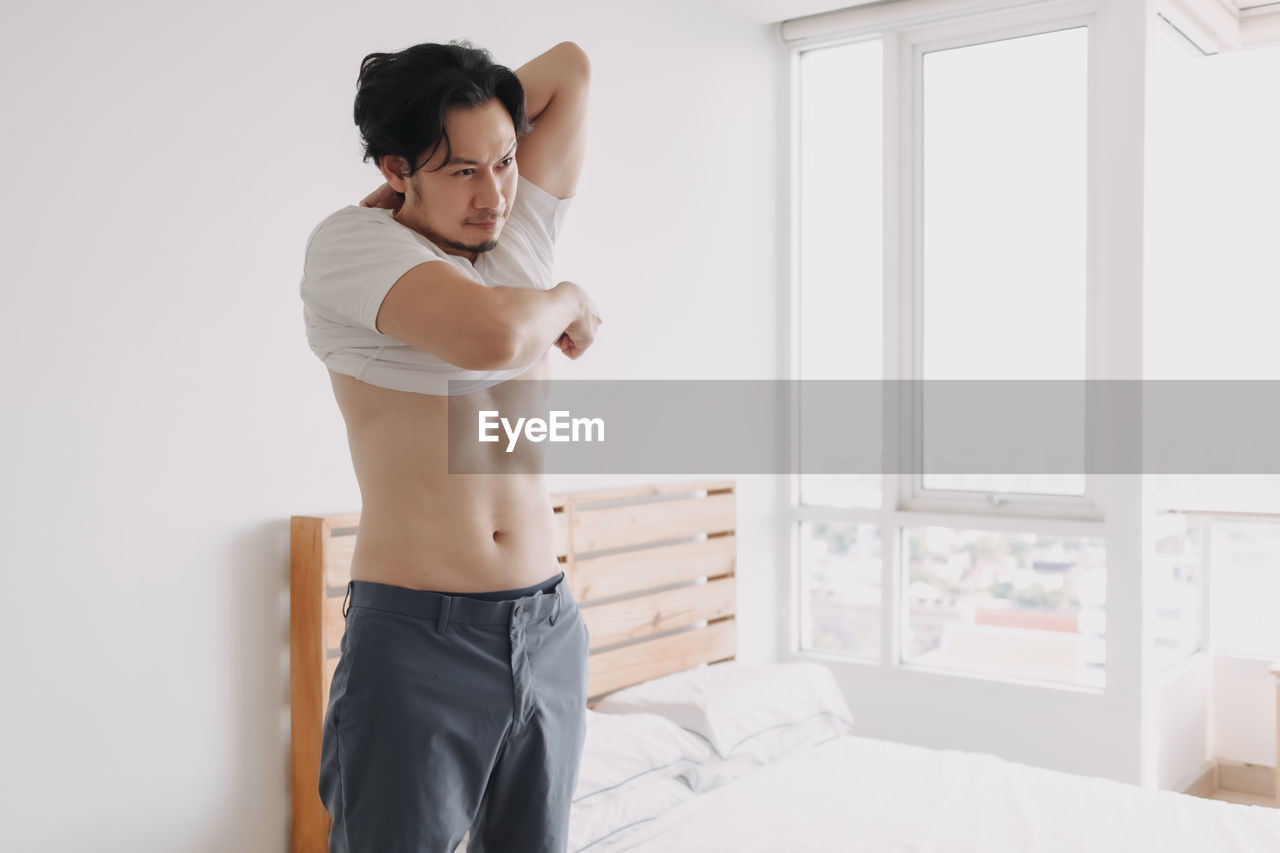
[356, 254]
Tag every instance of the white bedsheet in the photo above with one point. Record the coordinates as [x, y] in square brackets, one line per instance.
[862, 794]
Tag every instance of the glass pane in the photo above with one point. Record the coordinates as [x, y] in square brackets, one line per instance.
[840, 571]
[840, 490]
[1004, 228]
[1244, 572]
[840, 237]
[1177, 592]
[1017, 605]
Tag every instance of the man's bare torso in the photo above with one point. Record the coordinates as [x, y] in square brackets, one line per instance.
[424, 528]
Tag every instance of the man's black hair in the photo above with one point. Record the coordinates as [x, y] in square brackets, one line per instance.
[402, 98]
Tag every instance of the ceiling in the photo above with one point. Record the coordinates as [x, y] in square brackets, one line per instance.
[1216, 25]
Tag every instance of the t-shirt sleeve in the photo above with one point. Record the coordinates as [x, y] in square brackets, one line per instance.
[525, 255]
[352, 259]
[543, 212]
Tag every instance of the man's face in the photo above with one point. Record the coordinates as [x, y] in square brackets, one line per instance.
[476, 187]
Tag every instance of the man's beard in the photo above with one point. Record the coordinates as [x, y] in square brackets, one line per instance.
[478, 248]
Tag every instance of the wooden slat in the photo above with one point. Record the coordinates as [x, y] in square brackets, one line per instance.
[641, 524]
[334, 622]
[567, 512]
[337, 559]
[307, 541]
[653, 490]
[618, 668]
[560, 521]
[643, 615]
[336, 520]
[633, 571]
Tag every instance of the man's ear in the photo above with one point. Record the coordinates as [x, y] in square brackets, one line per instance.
[393, 169]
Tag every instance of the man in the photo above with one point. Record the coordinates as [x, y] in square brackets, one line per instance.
[459, 701]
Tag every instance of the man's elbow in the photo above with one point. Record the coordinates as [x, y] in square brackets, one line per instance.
[503, 348]
[575, 58]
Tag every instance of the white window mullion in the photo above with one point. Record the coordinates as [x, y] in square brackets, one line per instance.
[897, 339]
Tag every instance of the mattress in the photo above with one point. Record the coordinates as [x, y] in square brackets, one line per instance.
[855, 793]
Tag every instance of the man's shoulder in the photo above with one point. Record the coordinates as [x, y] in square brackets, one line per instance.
[354, 226]
[353, 214]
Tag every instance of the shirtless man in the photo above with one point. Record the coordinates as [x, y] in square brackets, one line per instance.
[459, 700]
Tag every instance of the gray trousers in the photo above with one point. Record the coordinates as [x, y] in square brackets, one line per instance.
[449, 713]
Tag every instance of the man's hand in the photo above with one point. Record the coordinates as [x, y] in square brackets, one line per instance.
[581, 333]
[383, 196]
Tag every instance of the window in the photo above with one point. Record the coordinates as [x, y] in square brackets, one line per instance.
[840, 239]
[1003, 227]
[1176, 591]
[1244, 572]
[1020, 605]
[840, 595]
[940, 235]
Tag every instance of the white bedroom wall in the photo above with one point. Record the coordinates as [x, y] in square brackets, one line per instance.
[164, 164]
[1184, 710]
[1244, 710]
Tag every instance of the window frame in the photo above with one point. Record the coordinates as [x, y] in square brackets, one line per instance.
[905, 38]
[913, 45]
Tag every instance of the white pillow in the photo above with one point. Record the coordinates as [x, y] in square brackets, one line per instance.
[598, 818]
[620, 749]
[772, 745]
[729, 703]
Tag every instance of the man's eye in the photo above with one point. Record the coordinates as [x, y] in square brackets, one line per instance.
[506, 162]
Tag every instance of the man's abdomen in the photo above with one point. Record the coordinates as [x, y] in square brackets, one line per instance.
[501, 536]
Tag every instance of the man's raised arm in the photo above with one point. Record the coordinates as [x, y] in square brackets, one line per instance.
[555, 85]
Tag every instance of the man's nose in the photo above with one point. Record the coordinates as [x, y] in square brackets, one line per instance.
[489, 195]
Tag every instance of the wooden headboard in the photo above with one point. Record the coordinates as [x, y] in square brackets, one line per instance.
[651, 567]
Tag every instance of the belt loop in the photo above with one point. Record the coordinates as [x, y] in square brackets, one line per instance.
[555, 608]
[345, 608]
[445, 601]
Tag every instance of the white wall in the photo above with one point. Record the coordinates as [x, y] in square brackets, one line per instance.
[1185, 713]
[1244, 710]
[164, 164]
[1211, 186]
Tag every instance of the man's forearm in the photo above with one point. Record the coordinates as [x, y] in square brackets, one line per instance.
[536, 319]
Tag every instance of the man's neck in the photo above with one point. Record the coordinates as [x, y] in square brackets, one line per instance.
[469, 257]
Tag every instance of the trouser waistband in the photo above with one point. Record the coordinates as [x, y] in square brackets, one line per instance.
[542, 601]
[548, 586]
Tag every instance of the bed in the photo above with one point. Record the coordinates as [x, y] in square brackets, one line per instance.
[689, 749]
